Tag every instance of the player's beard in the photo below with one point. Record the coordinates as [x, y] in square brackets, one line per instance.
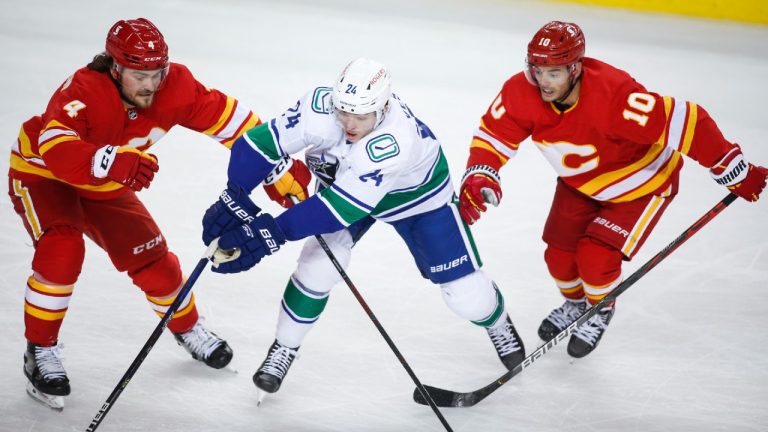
[141, 99]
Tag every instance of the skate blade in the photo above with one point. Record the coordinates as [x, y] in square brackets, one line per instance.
[55, 403]
[260, 395]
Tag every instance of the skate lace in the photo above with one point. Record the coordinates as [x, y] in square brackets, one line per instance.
[563, 316]
[200, 341]
[591, 330]
[279, 360]
[504, 340]
[48, 360]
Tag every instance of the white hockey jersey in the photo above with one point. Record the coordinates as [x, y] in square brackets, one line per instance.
[396, 171]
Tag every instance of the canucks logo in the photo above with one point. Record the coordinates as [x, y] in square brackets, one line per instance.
[382, 147]
[321, 100]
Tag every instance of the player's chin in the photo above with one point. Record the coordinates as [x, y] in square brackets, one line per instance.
[143, 101]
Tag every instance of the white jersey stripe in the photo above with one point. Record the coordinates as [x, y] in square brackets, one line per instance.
[637, 179]
[54, 133]
[676, 125]
[498, 145]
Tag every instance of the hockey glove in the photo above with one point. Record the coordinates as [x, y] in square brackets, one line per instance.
[739, 176]
[232, 209]
[248, 243]
[125, 165]
[290, 177]
[480, 185]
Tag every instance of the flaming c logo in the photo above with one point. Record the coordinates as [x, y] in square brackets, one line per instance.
[569, 159]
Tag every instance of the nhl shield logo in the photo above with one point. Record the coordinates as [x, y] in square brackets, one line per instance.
[132, 114]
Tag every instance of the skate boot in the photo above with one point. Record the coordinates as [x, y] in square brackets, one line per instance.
[560, 318]
[48, 381]
[274, 368]
[205, 346]
[585, 339]
[508, 344]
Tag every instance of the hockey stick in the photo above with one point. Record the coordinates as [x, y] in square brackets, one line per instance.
[427, 400]
[447, 398]
[152, 339]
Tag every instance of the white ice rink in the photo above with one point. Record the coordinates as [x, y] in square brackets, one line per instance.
[687, 349]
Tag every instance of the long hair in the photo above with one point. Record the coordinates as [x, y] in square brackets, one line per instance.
[101, 63]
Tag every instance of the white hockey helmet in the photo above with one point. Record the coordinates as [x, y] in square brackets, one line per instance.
[363, 87]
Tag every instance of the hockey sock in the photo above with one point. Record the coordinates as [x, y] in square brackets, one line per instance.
[45, 305]
[299, 310]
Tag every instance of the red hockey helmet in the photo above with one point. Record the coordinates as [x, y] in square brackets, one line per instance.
[558, 43]
[137, 44]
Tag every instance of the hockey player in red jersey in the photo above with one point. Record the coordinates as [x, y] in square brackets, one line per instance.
[617, 149]
[75, 171]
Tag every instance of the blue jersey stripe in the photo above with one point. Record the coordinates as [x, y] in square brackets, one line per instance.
[349, 197]
[413, 204]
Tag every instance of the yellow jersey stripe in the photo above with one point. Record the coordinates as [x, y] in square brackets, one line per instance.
[223, 118]
[602, 181]
[56, 141]
[690, 127]
[654, 183]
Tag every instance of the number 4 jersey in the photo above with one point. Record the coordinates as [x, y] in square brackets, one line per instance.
[87, 112]
[396, 171]
[618, 142]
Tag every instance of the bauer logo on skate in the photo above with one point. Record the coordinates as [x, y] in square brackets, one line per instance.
[611, 226]
[148, 245]
[449, 265]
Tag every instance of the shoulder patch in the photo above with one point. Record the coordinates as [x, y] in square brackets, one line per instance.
[321, 100]
[382, 147]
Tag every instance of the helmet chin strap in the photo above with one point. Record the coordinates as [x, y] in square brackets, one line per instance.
[119, 86]
[380, 114]
[572, 84]
[116, 74]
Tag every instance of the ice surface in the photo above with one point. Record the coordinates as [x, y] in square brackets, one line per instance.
[686, 351]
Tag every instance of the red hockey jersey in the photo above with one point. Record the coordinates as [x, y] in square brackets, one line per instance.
[87, 112]
[618, 142]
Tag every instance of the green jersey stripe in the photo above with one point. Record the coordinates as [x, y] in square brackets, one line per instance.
[345, 210]
[262, 140]
[402, 198]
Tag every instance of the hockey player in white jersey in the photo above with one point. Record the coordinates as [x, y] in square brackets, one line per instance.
[374, 160]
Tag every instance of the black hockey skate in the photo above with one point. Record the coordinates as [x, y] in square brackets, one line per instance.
[272, 371]
[48, 381]
[508, 344]
[585, 339]
[560, 318]
[205, 346]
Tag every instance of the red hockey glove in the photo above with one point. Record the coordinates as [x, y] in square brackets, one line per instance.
[127, 166]
[739, 176]
[289, 178]
[480, 185]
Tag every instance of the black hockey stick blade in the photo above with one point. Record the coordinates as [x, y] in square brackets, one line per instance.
[451, 399]
[446, 398]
